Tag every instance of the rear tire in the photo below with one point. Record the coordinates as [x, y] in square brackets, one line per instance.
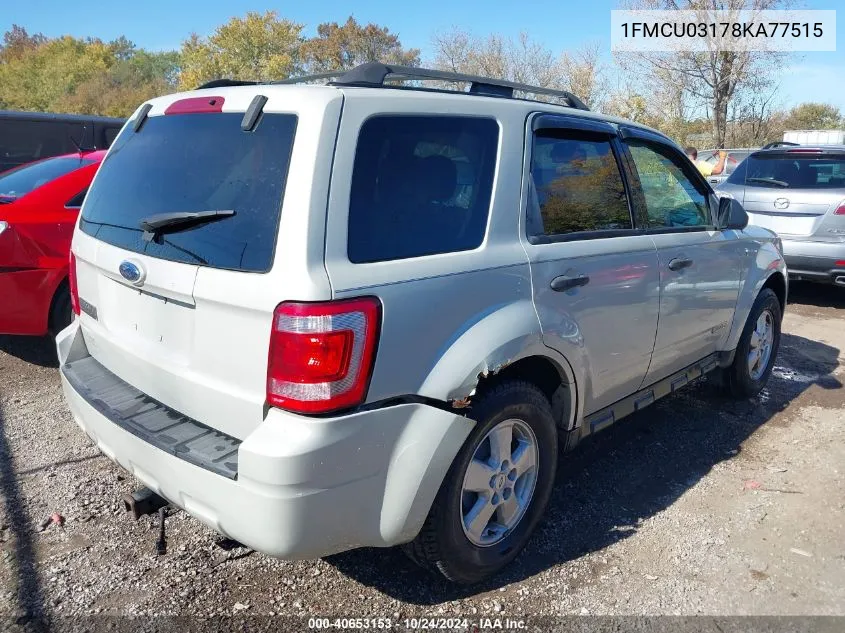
[477, 525]
[757, 349]
[61, 313]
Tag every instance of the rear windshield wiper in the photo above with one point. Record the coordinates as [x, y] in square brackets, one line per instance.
[769, 181]
[179, 220]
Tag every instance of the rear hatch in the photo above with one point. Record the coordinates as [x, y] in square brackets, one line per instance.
[180, 306]
[795, 193]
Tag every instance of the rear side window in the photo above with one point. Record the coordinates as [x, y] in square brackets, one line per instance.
[420, 186]
[782, 171]
[19, 182]
[578, 185]
[191, 163]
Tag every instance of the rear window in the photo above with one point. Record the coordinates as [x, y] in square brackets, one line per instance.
[20, 181]
[190, 163]
[420, 186]
[779, 171]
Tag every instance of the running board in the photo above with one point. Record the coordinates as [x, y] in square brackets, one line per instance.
[604, 418]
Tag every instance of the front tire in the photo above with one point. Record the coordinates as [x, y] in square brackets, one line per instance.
[757, 349]
[496, 489]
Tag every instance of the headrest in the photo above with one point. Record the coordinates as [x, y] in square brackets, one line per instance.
[437, 177]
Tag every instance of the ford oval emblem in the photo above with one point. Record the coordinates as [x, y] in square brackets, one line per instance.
[131, 272]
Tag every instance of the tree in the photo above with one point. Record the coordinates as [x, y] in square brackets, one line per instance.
[712, 78]
[129, 82]
[258, 46]
[17, 42]
[341, 47]
[523, 60]
[814, 116]
[69, 74]
[41, 77]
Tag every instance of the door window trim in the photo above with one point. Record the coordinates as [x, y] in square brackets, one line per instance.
[698, 181]
[544, 121]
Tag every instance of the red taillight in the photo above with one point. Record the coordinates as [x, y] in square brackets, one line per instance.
[840, 210]
[71, 282]
[840, 263]
[321, 354]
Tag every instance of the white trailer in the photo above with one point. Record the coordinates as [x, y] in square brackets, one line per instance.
[815, 137]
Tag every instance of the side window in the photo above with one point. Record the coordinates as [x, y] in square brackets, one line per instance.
[76, 201]
[23, 141]
[420, 186]
[577, 184]
[672, 200]
[110, 133]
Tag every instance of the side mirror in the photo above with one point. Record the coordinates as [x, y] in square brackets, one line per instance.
[732, 215]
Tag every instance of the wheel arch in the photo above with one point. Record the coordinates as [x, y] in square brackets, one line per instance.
[506, 343]
[768, 271]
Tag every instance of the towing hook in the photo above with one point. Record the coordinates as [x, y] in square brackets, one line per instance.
[142, 502]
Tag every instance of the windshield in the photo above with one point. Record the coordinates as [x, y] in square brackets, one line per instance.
[22, 180]
[190, 163]
[784, 171]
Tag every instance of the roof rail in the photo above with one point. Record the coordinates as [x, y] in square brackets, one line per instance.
[226, 83]
[374, 74]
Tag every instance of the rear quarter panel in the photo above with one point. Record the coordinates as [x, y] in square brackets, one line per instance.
[450, 317]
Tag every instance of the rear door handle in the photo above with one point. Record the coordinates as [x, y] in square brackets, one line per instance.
[564, 283]
[680, 263]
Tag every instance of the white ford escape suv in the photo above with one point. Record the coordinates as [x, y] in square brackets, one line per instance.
[320, 317]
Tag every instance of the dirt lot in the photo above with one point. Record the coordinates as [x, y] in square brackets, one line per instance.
[697, 505]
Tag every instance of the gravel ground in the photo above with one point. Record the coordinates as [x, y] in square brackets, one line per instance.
[699, 505]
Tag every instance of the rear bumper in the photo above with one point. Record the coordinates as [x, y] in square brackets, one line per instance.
[305, 487]
[815, 261]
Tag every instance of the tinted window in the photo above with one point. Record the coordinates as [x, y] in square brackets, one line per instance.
[791, 172]
[23, 141]
[19, 182]
[672, 199]
[578, 185]
[420, 186]
[196, 162]
[76, 201]
[109, 134]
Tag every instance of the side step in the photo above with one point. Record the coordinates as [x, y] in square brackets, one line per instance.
[608, 416]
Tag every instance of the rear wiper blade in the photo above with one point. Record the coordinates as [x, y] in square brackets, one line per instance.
[171, 222]
[769, 181]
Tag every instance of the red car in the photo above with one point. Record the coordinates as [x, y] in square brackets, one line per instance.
[39, 203]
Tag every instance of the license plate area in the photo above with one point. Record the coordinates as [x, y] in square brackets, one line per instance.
[162, 324]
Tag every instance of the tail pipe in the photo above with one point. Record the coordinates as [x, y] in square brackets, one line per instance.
[839, 280]
[142, 502]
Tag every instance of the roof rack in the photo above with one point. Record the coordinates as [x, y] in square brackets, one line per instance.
[780, 144]
[374, 74]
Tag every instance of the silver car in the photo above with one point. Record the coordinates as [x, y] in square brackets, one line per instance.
[733, 159]
[799, 193]
[321, 317]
